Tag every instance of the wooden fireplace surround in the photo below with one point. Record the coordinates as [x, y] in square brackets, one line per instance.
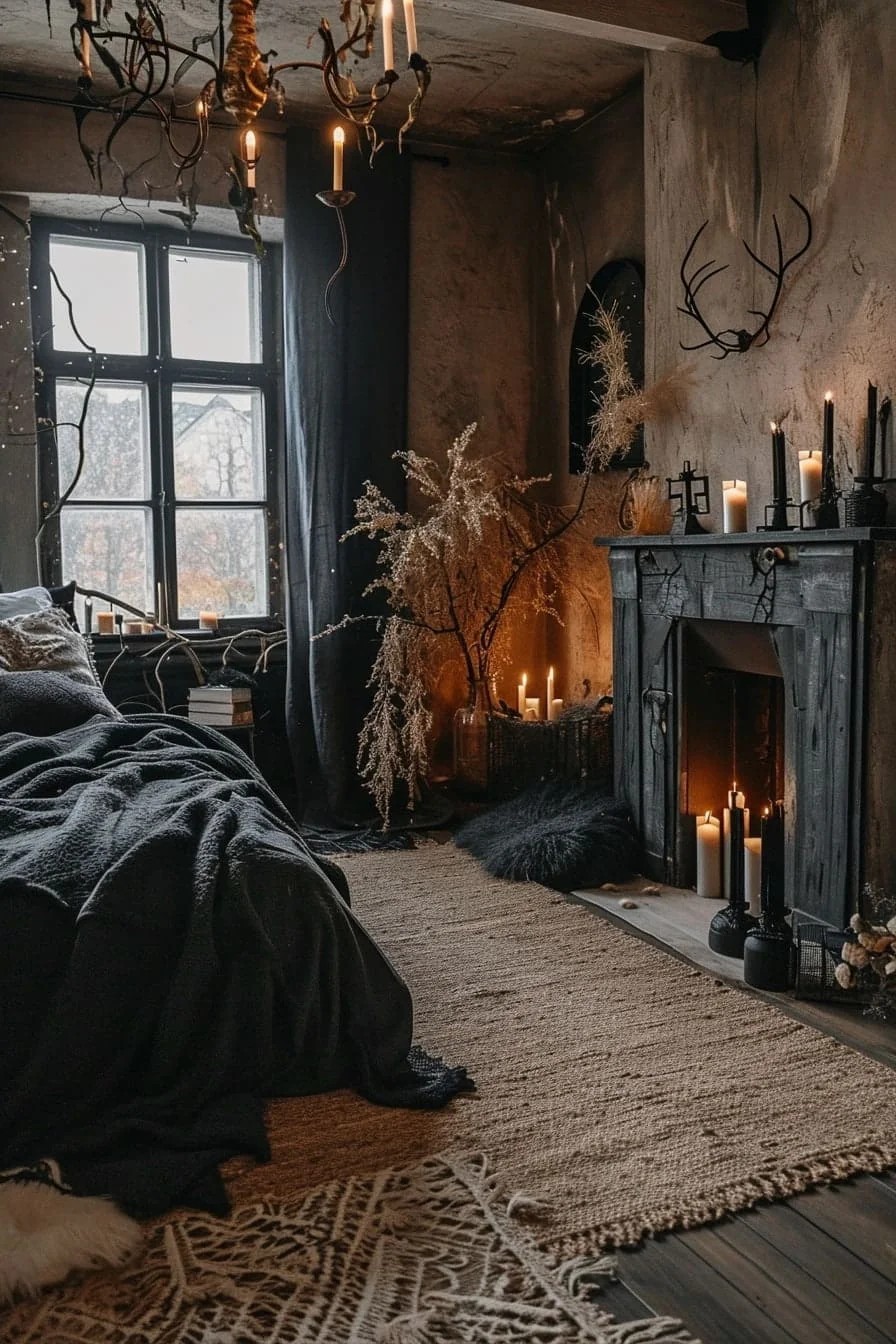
[829, 601]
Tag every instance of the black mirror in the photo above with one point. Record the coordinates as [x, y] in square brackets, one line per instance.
[619, 285]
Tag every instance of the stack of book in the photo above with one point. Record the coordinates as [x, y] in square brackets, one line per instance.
[220, 706]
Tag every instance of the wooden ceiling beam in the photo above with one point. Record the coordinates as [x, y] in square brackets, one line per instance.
[651, 25]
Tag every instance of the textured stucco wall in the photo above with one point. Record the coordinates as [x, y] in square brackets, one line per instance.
[724, 146]
[592, 212]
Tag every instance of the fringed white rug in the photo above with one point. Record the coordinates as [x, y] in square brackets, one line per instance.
[423, 1255]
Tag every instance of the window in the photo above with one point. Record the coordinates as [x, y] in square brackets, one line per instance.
[174, 506]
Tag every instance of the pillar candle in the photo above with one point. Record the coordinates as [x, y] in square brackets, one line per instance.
[810, 475]
[734, 506]
[338, 142]
[388, 44]
[555, 709]
[709, 841]
[549, 699]
[105, 622]
[132, 628]
[410, 22]
[208, 620]
[521, 695]
[752, 873]
[533, 703]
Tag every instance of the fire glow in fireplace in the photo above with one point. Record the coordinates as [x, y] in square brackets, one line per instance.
[770, 661]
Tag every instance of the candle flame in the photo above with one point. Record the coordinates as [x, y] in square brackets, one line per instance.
[338, 136]
[708, 817]
[765, 811]
[550, 671]
[525, 678]
[734, 786]
[249, 144]
[829, 396]
[774, 428]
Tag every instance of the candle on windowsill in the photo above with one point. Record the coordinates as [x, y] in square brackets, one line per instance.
[734, 506]
[533, 707]
[810, 475]
[521, 696]
[132, 628]
[208, 620]
[105, 622]
[709, 841]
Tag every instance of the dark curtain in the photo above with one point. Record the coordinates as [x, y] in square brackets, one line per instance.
[345, 388]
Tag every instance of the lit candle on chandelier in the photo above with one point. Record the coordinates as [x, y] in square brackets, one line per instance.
[410, 23]
[338, 142]
[251, 158]
[388, 45]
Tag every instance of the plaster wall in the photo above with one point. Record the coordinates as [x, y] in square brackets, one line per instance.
[726, 145]
[592, 212]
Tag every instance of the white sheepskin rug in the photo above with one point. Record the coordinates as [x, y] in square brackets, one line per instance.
[46, 1232]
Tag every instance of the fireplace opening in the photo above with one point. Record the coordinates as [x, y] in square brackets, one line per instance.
[732, 726]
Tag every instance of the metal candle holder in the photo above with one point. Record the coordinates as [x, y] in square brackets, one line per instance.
[692, 497]
[777, 514]
[729, 927]
[866, 506]
[336, 200]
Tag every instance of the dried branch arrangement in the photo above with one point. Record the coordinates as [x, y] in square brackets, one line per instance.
[482, 554]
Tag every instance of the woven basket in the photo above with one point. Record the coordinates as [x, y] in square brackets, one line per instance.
[816, 960]
[522, 753]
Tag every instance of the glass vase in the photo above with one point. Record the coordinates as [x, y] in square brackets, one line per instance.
[471, 742]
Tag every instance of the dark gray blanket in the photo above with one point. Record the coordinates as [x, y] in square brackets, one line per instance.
[170, 953]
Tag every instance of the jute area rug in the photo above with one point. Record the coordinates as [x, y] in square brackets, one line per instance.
[629, 1092]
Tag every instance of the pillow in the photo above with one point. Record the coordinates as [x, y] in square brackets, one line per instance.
[563, 836]
[44, 703]
[23, 601]
[44, 641]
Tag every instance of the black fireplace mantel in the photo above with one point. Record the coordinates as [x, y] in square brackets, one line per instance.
[828, 599]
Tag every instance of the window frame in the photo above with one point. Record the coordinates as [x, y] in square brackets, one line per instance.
[161, 372]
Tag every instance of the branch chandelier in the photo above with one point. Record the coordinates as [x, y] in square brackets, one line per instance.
[147, 68]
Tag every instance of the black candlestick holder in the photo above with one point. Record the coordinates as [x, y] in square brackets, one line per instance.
[778, 515]
[729, 927]
[768, 949]
[692, 498]
[336, 200]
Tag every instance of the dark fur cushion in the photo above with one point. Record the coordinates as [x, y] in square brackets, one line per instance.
[561, 835]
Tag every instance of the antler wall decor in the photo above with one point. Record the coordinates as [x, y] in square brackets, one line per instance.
[730, 341]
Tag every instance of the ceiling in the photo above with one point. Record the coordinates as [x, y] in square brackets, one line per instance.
[509, 74]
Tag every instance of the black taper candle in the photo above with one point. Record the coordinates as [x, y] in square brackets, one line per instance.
[871, 432]
[736, 856]
[780, 466]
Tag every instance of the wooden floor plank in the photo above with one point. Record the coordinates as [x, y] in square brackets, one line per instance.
[825, 1315]
[678, 1282]
[860, 1216]
[624, 1305]
[842, 1272]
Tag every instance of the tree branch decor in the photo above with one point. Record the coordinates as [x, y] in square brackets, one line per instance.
[483, 553]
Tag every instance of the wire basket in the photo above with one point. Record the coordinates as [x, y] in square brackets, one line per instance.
[578, 749]
[817, 956]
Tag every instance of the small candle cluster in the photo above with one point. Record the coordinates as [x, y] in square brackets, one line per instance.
[818, 494]
[729, 858]
[529, 706]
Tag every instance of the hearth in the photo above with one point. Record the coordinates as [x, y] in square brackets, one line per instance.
[766, 659]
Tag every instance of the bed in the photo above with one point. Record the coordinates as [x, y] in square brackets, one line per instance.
[170, 953]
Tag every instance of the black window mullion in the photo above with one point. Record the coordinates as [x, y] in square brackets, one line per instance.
[161, 433]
